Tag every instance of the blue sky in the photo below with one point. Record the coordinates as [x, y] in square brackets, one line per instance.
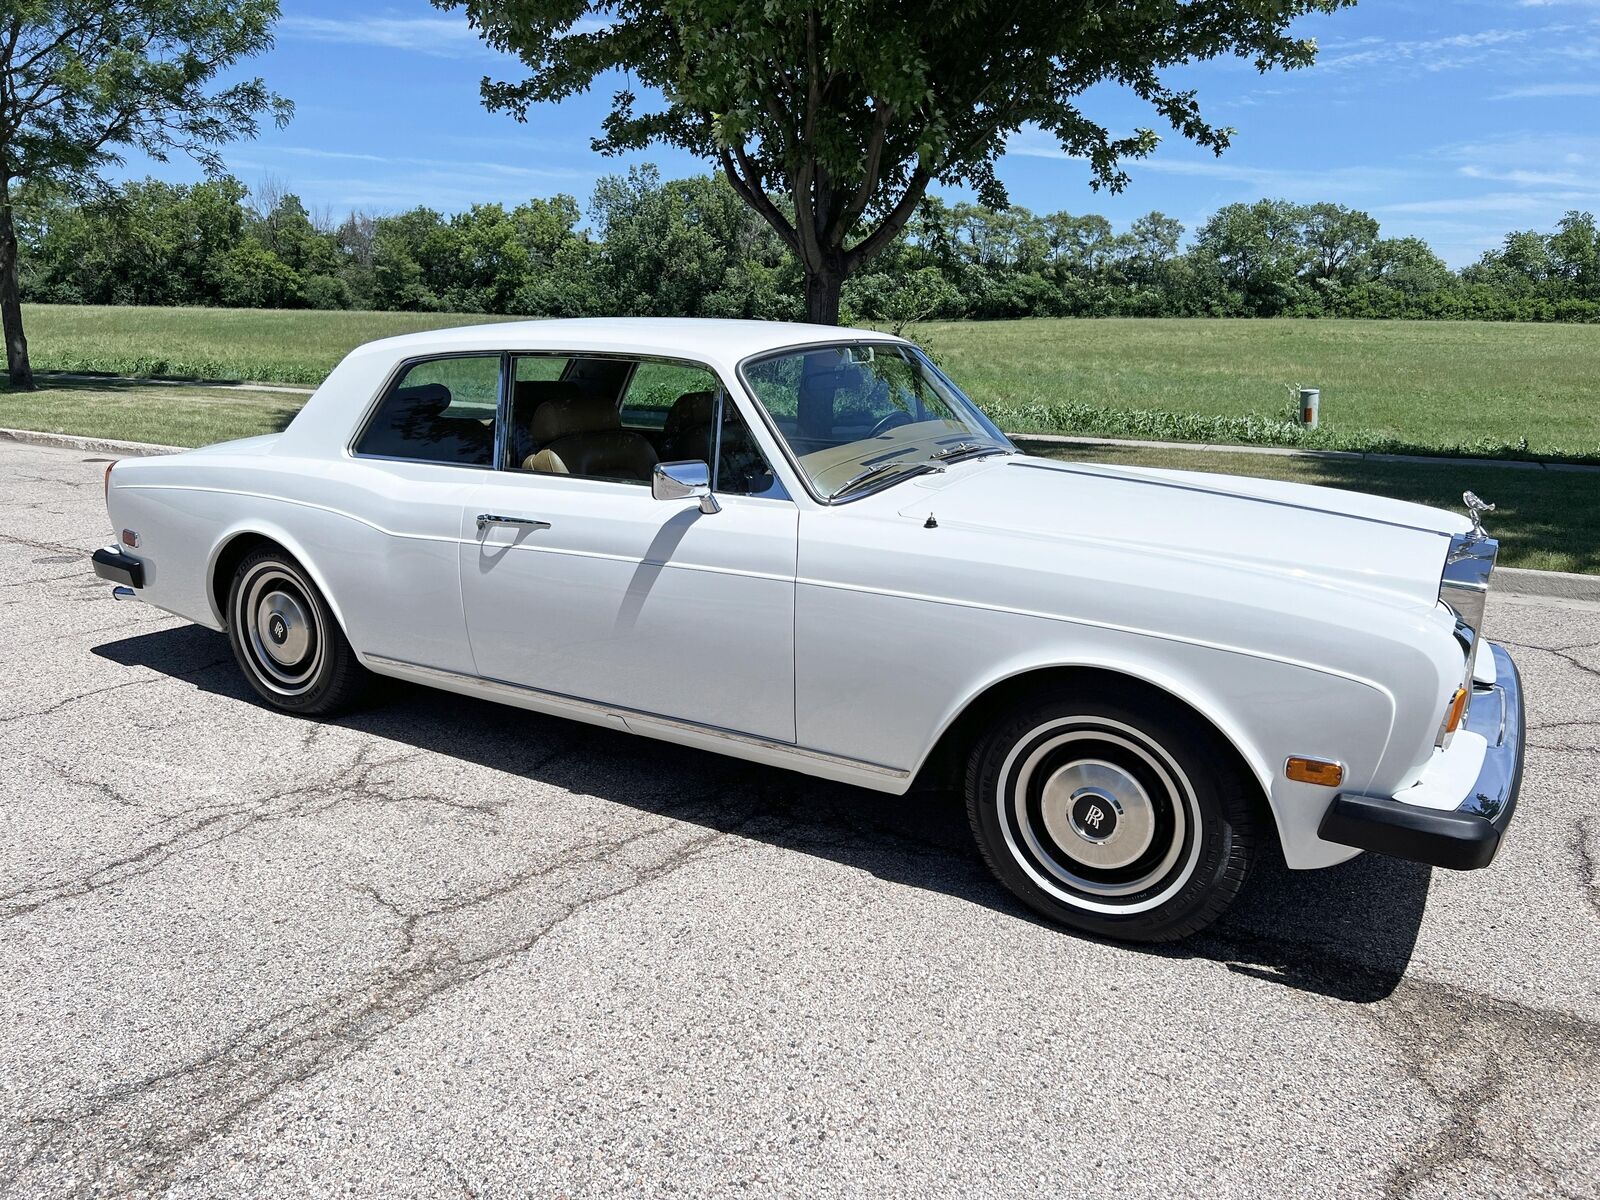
[1454, 120]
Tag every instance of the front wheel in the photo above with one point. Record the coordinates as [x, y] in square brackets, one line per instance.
[1117, 815]
[286, 640]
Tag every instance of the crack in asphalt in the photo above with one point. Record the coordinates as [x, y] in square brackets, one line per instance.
[1588, 861]
[187, 675]
[1562, 652]
[135, 1138]
[351, 783]
[1473, 1057]
[100, 787]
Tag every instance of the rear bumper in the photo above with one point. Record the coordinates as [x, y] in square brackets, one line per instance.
[1438, 821]
[110, 563]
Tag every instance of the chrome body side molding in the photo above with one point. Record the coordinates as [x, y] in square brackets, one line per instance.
[725, 741]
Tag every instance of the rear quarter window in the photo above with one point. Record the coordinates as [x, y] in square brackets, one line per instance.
[441, 410]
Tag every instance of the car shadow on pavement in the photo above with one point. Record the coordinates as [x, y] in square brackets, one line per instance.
[1347, 932]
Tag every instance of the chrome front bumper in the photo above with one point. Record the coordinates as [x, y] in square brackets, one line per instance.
[1457, 814]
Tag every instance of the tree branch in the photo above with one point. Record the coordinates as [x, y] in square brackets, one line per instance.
[756, 197]
[892, 224]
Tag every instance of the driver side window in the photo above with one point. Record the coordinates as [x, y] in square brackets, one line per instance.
[615, 419]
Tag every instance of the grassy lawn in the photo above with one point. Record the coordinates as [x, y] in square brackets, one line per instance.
[1547, 520]
[169, 415]
[1419, 386]
[212, 343]
[1387, 385]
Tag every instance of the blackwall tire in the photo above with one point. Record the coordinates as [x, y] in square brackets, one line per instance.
[1117, 814]
[286, 640]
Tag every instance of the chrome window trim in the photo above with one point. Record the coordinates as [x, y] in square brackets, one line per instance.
[823, 344]
[398, 372]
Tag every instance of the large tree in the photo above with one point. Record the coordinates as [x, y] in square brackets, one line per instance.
[831, 118]
[83, 80]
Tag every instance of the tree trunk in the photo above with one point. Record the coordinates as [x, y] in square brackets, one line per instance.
[822, 294]
[11, 302]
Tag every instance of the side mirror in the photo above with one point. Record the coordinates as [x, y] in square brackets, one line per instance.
[684, 481]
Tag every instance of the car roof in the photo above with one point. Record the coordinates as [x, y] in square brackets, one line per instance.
[673, 337]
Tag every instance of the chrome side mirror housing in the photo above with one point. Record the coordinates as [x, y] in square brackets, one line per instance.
[684, 481]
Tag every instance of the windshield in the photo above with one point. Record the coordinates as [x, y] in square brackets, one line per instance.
[856, 417]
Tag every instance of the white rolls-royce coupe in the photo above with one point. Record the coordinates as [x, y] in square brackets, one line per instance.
[804, 546]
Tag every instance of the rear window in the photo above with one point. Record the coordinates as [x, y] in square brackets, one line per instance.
[441, 410]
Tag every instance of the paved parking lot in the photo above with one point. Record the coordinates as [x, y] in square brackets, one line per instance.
[444, 948]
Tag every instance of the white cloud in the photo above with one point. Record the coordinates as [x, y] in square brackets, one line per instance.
[478, 166]
[1524, 178]
[1432, 54]
[1534, 204]
[1541, 90]
[1282, 182]
[446, 37]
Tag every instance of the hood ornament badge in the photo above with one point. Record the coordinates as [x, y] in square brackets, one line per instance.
[1475, 510]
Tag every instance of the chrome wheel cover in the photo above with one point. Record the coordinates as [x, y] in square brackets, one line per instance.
[279, 629]
[1099, 815]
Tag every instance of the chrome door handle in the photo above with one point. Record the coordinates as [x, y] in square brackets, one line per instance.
[487, 519]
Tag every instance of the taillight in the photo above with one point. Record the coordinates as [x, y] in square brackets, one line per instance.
[109, 465]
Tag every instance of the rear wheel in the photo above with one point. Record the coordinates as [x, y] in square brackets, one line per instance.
[285, 639]
[1117, 815]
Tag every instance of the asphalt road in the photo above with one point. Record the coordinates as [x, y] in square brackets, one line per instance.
[444, 948]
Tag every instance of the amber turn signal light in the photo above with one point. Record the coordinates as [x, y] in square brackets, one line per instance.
[1314, 770]
[1458, 709]
[109, 465]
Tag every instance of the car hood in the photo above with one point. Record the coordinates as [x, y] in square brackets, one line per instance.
[1328, 535]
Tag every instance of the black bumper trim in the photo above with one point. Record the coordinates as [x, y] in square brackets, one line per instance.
[1455, 840]
[1460, 839]
[118, 567]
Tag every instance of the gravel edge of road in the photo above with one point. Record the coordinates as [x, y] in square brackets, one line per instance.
[1555, 584]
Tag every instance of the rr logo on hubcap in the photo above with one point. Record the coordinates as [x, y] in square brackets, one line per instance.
[277, 629]
[1094, 818]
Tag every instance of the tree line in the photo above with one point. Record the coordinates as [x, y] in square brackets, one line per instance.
[693, 247]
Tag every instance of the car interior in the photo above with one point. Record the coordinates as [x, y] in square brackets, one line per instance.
[584, 424]
[594, 420]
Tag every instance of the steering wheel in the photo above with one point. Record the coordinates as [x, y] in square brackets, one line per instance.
[894, 420]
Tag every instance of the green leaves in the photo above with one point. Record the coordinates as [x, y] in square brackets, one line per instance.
[85, 79]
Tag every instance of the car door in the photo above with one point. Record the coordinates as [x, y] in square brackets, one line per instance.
[386, 538]
[591, 588]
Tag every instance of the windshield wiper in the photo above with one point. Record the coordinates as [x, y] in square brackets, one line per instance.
[876, 469]
[963, 449]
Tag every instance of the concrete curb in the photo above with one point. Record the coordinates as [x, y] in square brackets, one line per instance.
[1515, 464]
[1558, 584]
[70, 441]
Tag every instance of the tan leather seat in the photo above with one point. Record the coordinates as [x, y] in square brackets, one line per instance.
[686, 435]
[528, 396]
[584, 436]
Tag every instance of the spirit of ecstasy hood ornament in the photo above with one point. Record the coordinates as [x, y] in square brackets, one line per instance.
[1475, 510]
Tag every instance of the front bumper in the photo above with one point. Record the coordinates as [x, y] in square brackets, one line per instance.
[110, 563]
[1457, 814]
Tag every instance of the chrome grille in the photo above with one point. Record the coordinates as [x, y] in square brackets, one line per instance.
[1464, 590]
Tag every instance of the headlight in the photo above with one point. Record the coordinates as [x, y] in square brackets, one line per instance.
[1464, 590]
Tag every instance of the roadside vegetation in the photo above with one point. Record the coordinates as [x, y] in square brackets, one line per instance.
[1546, 519]
[692, 247]
[1477, 389]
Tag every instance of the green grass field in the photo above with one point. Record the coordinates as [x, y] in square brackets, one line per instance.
[1387, 385]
